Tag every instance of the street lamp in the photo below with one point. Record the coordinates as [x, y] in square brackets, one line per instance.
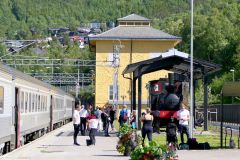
[232, 70]
[233, 79]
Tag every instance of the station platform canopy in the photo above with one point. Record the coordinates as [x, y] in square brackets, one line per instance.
[175, 61]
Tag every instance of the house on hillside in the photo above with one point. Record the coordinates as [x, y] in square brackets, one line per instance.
[139, 42]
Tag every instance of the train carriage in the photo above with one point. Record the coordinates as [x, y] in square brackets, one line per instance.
[29, 108]
[6, 106]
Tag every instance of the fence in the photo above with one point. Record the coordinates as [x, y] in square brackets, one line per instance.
[231, 113]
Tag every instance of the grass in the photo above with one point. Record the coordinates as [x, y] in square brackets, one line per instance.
[213, 138]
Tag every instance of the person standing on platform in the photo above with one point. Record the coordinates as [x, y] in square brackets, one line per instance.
[112, 113]
[124, 115]
[100, 123]
[83, 116]
[183, 116]
[105, 119]
[93, 126]
[147, 128]
[133, 120]
[76, 123]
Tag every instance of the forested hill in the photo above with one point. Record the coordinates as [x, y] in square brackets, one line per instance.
[216, 22]
[23, 15]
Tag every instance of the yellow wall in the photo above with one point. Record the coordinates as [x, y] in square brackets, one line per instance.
[140, 51]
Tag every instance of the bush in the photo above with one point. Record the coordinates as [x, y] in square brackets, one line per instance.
[128, 140]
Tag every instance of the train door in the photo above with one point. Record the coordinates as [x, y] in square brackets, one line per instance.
[51, 113]
[17, 118]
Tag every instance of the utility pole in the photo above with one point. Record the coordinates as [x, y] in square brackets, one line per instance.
[77, 86]
[115, 65]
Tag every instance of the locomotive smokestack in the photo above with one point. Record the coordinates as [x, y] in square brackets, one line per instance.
[171, 79]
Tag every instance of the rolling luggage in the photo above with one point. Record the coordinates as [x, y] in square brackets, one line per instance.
[89, 142]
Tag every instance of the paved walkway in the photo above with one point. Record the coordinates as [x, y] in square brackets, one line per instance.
[58, 145]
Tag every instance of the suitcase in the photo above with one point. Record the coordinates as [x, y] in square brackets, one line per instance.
[89, 142]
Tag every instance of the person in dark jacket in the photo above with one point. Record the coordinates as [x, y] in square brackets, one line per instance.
[105, 119]
[112, 117]
[171, 132]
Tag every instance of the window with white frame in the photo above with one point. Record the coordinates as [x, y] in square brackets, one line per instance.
[111, 92]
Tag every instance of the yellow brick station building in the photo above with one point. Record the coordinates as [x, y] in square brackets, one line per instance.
[138, 41]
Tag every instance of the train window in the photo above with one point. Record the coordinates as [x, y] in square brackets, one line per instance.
[39, 103]
[33, 101]
[36, 102]
[1, 99]
[46, 104]
[30, 102]
[42, 100]
[21, 102]
[26, 102]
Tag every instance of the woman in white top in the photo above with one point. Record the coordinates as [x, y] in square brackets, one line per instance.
[76, 123]
[83, 116]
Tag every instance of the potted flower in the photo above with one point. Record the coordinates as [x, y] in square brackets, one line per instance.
[128, 140]
[152, 151]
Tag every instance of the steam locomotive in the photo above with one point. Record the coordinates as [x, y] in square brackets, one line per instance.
[165, 96]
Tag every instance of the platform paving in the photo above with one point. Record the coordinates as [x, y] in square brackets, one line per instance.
[58, 145]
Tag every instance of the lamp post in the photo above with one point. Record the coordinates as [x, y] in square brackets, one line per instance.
[191, 74]
[233, 79]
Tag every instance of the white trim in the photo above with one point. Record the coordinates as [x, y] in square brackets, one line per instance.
[172, 52]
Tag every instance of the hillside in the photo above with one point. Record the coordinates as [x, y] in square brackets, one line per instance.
[216, 25]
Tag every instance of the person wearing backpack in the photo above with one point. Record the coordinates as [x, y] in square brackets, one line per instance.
[123, 117]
